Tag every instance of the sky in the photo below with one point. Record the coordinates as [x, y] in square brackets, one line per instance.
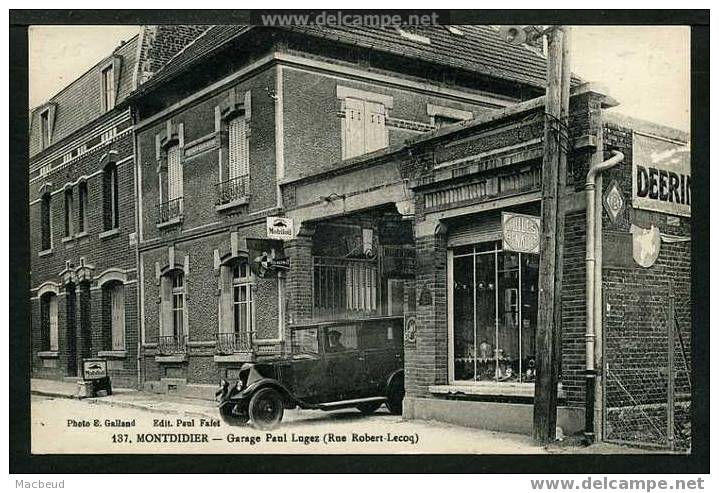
[645, 68]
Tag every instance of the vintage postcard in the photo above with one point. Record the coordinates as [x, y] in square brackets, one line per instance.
[355, 233]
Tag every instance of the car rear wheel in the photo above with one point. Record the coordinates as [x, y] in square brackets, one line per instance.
[395, 396]
[232, 415]
[368, 407]
[266, 409]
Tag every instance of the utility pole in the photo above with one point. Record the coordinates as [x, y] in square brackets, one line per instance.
[554, 176]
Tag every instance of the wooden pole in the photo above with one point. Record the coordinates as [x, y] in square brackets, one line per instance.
[545, 390]
[564, 144]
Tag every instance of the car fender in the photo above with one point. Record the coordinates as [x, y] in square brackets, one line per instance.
[399, 373]
[268, 382]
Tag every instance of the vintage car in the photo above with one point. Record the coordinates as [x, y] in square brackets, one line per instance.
[348, 364]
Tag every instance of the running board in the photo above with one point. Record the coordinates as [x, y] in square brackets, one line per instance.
[329, 406]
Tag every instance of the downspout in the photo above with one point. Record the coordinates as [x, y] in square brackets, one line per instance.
[594, 228]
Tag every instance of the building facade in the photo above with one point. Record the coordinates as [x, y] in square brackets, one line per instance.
[82, 214]
[404, 168]
[284, 105]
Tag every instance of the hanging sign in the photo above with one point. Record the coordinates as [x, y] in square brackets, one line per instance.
[661, 175]
[266, 257]
[520, 232]
[280, 228]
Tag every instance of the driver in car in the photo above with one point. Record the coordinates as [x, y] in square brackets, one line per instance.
[335, 345]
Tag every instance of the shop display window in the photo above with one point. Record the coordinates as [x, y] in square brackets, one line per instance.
[494, 314]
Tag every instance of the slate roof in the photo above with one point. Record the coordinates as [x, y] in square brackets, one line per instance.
[479, 49]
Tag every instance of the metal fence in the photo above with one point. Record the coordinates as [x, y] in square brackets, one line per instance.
[647, 386]
[344, 288]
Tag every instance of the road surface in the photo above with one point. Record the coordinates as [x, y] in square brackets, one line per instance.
[74, 426]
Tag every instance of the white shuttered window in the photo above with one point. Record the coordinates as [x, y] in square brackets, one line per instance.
[174, 173]
[375, 130]
[52, 314]
[239, 155]
[117, 305]
[364, 128]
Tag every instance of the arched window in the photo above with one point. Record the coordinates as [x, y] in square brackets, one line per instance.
[45, 222]
[49, 322]
[111, 213]
[113, 315]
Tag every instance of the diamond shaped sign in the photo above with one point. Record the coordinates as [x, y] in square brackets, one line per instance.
[613, 201]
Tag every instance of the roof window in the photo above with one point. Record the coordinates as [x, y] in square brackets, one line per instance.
[410, 32]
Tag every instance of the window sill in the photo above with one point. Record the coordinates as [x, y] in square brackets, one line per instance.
[48, 354]
[109, 233]
[115, 354]
[172, 222]
[45, 253]
[232, 204]
[239, 357]
[67, 239]
[81, 235]
[498, 389]
[171, 358]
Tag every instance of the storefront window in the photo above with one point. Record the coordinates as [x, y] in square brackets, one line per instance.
[495, 314]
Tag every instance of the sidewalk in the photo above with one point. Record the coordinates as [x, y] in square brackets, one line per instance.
[129, 398]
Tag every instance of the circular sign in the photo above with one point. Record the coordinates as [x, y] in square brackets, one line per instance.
[521, 233]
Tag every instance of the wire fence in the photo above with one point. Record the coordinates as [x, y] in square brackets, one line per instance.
[647, 384]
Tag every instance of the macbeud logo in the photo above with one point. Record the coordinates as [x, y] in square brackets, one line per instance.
[664, 185]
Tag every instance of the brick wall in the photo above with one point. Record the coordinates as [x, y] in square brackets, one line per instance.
[313, 120]
[201, 171]
[103, 253]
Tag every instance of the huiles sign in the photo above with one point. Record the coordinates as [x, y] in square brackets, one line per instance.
[520, 233]
[280, 228]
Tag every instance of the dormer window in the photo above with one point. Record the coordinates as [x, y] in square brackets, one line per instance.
[45, 128]
[108, 88]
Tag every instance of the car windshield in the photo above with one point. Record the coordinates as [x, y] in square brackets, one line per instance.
[305, 342]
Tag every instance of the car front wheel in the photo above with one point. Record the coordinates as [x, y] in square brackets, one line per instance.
[232, 415]
[266, 409]
[395, 396]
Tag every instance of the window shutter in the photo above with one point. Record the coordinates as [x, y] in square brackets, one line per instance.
[354, 132]
[375, 130]
[53, 324]
[239, 149]
[174, 174]
[118, 317]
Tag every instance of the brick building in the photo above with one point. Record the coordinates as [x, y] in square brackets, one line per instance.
[244, 111]
[399, 158]
[82, 213]
[470, 301]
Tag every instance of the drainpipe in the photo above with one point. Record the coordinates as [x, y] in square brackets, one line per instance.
[594, 229]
